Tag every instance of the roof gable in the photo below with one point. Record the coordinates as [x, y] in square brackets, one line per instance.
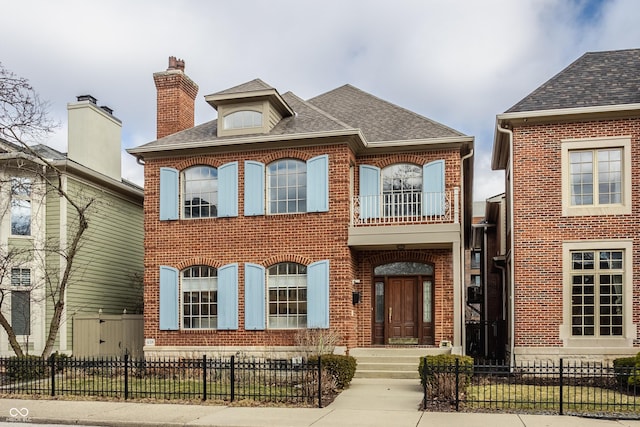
[594, 79]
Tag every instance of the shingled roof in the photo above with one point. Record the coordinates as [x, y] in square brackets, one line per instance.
[594, 79]
[252, 86]
[378, 119]
[345, 108]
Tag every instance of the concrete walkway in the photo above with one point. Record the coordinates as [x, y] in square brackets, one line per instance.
[367, 402]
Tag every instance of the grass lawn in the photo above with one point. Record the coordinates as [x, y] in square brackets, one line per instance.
[547, 398]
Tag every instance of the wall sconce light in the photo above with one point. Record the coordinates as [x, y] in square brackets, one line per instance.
[355, 297]
[356, 281]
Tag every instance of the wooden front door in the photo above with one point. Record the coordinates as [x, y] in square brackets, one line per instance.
[402, 310]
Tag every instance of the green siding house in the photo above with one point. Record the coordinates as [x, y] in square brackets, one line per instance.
[36, 225]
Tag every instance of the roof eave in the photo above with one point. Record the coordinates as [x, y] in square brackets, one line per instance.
[413, 144]
[132, 190]
[561, 114]
[355, 136]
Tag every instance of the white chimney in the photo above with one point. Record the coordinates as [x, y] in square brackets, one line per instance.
[94, 137]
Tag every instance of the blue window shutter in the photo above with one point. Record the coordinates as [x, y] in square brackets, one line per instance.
[318, 295]
[228, 190]
[370, 191]
[254, 297]
[168, 298]
[168, 194]
[433, 198]
[228, 297]
[318, 184]
[253, 188]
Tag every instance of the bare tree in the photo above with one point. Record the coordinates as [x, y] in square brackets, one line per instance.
[24, 120]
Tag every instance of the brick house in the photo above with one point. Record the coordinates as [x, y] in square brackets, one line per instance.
[570, 152]
[343, 213]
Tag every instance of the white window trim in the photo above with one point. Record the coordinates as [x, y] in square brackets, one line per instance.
[183, 191]
[568, 145]
[629, 329]
[268, 301]
[24, 288]
[268, 188]
[181, 304]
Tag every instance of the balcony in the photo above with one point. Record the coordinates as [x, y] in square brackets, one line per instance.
[405, 220]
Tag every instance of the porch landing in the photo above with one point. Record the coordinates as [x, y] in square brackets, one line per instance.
[392, 362]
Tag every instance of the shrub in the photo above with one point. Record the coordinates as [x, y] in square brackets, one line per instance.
[634, 378]
[626, 372]
[438, 375]
[24, 368]
[341, 368]
[317, 342]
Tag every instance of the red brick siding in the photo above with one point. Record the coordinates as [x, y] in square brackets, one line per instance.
[261, 240]
[269, 239]
[175, 102]
[539, 227]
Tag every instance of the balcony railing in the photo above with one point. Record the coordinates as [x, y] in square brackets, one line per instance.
[406, 208]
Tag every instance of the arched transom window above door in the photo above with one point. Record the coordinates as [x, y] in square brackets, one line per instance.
[403, 268]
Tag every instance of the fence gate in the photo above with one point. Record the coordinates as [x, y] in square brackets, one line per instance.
[108, 335]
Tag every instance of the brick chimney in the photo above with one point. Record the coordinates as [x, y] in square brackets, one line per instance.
[176, 99]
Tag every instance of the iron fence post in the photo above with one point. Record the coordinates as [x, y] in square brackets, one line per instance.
[561, 388]
[52, 366]
[319, 381]
[424, 384]
[126, 376]
[233, 378]
[204, 377]
[457, 385]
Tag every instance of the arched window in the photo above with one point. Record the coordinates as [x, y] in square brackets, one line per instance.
[287, 296]
[199, 297]
[200, 192]
[243, 120]
[287, 181]
[402, 190]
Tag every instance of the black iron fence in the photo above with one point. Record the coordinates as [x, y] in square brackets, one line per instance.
[294, 381]
[586, 389]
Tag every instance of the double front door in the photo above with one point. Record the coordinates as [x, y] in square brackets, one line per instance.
[403, 312]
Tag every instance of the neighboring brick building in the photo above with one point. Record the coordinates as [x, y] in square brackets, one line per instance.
[342, 213]
[571, 155]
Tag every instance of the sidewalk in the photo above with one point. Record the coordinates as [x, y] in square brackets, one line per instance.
[368, 403]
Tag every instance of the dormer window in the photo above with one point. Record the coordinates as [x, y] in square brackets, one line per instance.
[243, 120]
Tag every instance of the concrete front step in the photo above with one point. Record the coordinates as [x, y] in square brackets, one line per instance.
[391, 362]
[404, 375]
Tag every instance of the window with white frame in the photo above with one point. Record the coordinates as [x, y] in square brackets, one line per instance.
[287, 296]
[21, 301]
[287, 186]
[200, 192]
[596, 176]
[243, 120]
[597, 293]
[402, 190]
[21, 206]
[199, 297]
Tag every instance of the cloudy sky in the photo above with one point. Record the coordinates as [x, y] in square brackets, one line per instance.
[459, 62]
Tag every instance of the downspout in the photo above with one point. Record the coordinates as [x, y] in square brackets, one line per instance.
[463, 320]
[512, 310]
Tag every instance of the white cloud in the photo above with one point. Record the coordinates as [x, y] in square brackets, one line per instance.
[458, 62]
